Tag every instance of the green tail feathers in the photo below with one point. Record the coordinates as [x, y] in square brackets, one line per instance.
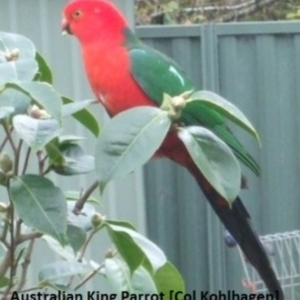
[225, 134]
[217, 124]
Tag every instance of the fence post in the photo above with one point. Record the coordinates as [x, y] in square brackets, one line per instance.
[127, 8]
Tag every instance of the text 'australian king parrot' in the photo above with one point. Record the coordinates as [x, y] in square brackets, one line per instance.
[125, 73]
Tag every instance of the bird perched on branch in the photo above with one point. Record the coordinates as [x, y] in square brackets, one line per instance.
[125, 73]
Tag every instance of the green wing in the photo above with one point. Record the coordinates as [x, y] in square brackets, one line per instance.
[158, 74]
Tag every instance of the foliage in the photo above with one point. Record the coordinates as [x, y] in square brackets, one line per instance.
[32, 115]
[201, 11]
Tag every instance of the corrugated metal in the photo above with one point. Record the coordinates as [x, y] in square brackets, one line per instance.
[40, 21]
[256, 66]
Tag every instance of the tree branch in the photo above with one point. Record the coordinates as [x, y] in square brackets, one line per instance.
[80, 203]
[25, 266]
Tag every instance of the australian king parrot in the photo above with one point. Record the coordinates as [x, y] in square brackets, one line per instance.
[125, 73]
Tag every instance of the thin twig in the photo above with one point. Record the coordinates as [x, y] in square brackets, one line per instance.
[5, 229]
[17, 157]
[9, 137]
[18, 228]
[26, 160]
[25, 266]
[5, 263]
[3, 143]
[29, 236]
[30, 290]
[40, 162]
[46, 171]
[80, 203]
[85, 245]
[88, 277]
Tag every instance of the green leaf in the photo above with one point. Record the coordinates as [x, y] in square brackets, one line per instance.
[70, 139]
[4, 281]
[6, 111]
[74, 107]
[66, 252]
[214, 159]
[118, 275]
[135, 248]
[129, 140]
[120, 279]
[121, 223]
[224, 107]
[86, 118]
[40, 205]
[167, 278]
[44, 72]
[83, 220]
[42, 93]
[36, 132]
[16, 99]
[127, 248]
[76, 237]
[142, 282]
[54, 154]
[75, 161]
[60, 270]
[24, 66]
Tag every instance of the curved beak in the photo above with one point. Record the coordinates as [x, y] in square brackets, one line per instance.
[65, 26]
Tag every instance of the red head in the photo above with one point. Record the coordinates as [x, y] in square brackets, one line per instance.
[93, 20]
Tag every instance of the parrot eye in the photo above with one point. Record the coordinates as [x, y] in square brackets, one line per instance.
[77, 14]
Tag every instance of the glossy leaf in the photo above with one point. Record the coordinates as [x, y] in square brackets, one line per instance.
[214, 159]
[61, 269]
[85, 117]
[17, 58]
[44, 72]
[4, 281]
[167, 278]
[76, 237]
[54, 154]
[129, 140]
[66, 252]
[42, 93]
[36, 132]
[70, 139]
[41, 205]
[74, 107]
[83, 220]
[75, 161]
[16, 99]
[120, 223]
[134, 247]
[120, 279]
[6, 111]
[224, 107]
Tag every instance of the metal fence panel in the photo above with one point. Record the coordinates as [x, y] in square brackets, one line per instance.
[256, 66]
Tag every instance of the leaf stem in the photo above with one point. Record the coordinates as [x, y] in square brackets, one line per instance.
[3, 143]
[85, 245]
[17, 157]
[26, 160]
[88, 277]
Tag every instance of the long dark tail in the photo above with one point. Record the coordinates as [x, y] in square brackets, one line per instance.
[237, 221]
